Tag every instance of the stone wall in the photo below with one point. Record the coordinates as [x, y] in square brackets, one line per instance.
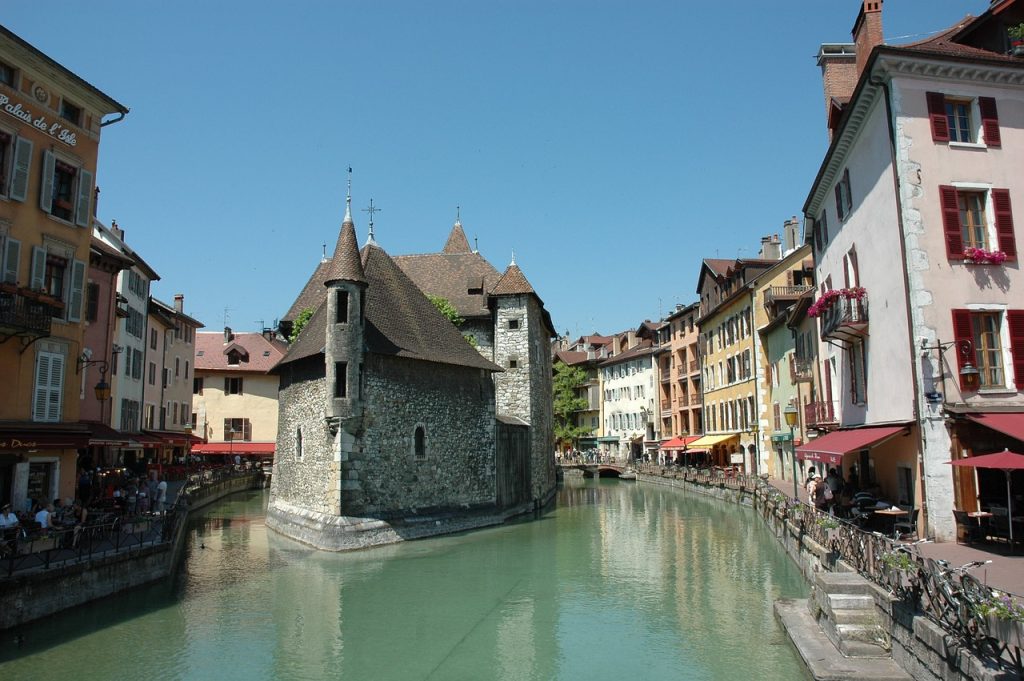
[482, 330]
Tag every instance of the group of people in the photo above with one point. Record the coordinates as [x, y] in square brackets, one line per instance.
[129, 495]
[41, 516]
[825, 493]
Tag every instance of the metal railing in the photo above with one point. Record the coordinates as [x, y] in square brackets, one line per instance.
[785, 292]
[23, 314]
[847, 314]
[801, 370]
[816, 413]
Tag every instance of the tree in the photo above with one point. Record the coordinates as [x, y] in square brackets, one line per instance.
[300, 321]
[445, 307]
[567, 381]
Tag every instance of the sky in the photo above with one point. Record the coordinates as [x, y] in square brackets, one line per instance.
[610, 145]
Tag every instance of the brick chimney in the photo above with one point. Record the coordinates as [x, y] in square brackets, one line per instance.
[179, 302]
[867, 31]
[838, 64]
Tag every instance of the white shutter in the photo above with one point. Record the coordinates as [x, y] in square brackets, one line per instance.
[46, 182]
[38, 279]
[42, 389]
[82, 214]
[56, 397]
[12, 258]
[22, 162]
[77, 283]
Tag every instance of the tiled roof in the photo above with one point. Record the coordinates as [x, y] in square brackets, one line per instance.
[644, 347]
[719, 266]
[400, 321]
[512, 282]
[457, 242]
[346, 265]
[263, 354]
[451, 276]
[571, 357]
[312, 293]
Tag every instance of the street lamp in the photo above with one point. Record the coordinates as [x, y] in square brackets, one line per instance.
[790, 413]
[969, 373]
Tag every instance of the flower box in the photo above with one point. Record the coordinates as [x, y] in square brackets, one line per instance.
[982, 257]
[827, 299]
[1010, 632]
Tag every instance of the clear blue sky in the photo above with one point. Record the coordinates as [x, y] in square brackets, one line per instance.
[612, 145]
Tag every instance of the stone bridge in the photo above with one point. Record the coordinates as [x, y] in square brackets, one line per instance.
[594, 469]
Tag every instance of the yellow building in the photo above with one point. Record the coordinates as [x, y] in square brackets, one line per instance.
[50, 122]
[235, 394]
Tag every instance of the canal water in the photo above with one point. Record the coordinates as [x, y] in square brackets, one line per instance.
[618, 581]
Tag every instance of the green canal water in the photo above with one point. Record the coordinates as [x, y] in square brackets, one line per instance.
[618, 581]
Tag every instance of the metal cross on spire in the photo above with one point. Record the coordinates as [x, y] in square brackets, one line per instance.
[458, 215]
[348, 197]
[371, 210]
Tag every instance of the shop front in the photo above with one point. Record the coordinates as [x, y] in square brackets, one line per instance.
[225, 453]
[975, 434]
[878, 459]
[723, 450]
[38, 464]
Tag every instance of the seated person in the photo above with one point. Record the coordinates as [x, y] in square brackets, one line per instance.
[7, 518]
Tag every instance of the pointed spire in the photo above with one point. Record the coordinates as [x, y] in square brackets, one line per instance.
[348, 200]
[371, 210]
[512, 264]
[457, 242]
[512, 281]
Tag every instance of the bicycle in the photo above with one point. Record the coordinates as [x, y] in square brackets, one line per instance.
[957, 598]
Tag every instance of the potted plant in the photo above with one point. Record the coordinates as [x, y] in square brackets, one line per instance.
[1016, 34]
[1005, 618]
[983, 257]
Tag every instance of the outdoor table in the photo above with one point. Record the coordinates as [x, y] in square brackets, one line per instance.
[890, 515]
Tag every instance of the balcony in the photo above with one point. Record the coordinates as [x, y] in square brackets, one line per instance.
[801, 370]
[784, 293]
[817, 414]
[683, 400]
[845, 320]
[26, 313]
[695, 367]
[696, 398]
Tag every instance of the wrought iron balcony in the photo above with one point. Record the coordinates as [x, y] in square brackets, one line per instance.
[694, 367]
[25, 313]
[801, 370]
[818, 414]
[845, 320]
[696, 398]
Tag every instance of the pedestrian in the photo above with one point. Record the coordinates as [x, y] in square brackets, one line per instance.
[161, 495]
[85, 486]
[45, 517]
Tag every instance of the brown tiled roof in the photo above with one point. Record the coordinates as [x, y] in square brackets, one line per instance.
[450, 276]
[512, 282]
[457, 242]
[312, 293]
[642, 348]
[571, 357]
[400, 321]
[211, 356]
[719, 266]
[346, 265]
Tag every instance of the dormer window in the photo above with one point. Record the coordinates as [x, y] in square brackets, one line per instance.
[234, 358]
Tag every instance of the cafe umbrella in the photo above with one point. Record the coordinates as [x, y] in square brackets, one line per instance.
[1005, 461]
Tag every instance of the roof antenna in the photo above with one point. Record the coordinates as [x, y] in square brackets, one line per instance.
[371, 210]
[348, 198]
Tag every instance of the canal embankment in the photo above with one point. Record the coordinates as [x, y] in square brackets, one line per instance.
[870, 602]
[38, 585]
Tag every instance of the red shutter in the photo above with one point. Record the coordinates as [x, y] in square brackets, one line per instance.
[1015, 319]
[989, 121]
[937, 114]
[839, 202]
[1004, 222]
[963, 332]
[951, 222]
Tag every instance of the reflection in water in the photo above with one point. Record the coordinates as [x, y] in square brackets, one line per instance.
[619, 580]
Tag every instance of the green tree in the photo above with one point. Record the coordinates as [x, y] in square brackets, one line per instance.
[445, 307]
[567, 380]
[300, 321]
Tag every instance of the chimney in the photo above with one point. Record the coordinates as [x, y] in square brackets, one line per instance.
[867, 31]
[790, 234]
[179, 302]
[770, 248]
[117, 231]
[839, 78]
[228, 336]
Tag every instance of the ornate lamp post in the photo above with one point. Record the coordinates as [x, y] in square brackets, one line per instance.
[790, 413]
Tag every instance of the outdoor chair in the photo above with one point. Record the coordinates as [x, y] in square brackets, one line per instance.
[966, 527]
[908, 525]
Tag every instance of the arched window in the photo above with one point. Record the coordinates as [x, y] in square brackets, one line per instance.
[298, 442]
[420, 442]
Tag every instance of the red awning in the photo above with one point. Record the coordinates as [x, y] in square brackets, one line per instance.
[679, 442]
[1008, 424]
[102, 434]
[231, 448]
[173, 438]
[145, 440]
[831, 447]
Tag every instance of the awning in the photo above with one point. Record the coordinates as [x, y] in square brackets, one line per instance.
[232, 448]
[608, 438]
[174, 439]
[145, 440]
[1007, 424]
[711, 440]
[102, 434]
[679, 442]
[831, 447]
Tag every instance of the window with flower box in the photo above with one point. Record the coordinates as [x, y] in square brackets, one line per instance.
[66, 190]
[978, 224]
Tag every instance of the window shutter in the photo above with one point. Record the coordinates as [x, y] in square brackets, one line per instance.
[963, 332]
[1015, 319]
[49, 387]
[1004, 222]
[856, 270]
[839, 201]
[77, 283]
[239, 385]
[82, 213]
[951, 222]
[39, 400]
[38, 279]
[227, 429]
[227, 384]
[46, 183]
[937, 115]
[826, 371]
[22, 164]
[990, 121]
[246, 430]
[12, 258]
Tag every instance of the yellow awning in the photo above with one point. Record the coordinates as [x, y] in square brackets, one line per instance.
[709, 440]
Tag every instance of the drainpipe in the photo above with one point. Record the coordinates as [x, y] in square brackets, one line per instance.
[878, 82]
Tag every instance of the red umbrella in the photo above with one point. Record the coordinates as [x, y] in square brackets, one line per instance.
[1007, 462]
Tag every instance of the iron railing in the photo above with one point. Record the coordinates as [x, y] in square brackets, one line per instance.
[819, 413]
[22, 314]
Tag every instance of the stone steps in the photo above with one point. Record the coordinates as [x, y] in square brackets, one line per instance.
[824, 661]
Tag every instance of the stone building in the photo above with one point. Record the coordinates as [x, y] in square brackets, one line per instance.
[391, 425]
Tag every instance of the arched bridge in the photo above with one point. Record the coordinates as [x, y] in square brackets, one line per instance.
[595, 469]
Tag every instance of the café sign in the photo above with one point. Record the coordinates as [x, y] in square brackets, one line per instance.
[54, 130]
[15, 443]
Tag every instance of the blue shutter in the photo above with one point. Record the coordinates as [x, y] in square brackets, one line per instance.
[46, 182]
[39, 398]
[75, 297]
[22, 162]
[12, 258]
[38, 278]
[82, 214]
